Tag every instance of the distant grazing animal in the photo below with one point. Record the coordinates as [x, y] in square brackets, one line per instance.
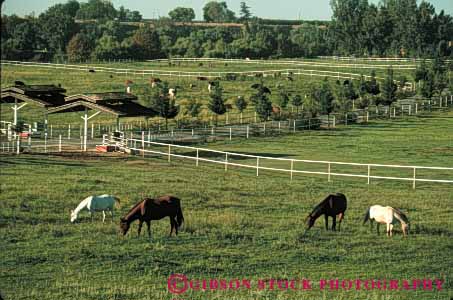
[154, 82]
[331, 206]
[276, 110]
[172, 93]
[154, 209]
[212, 84]
[289, 78]
[202, 78]
[228, 106]
[192, 86]
[92, 71]
[387, 215]
[96, 203]
[19, 83]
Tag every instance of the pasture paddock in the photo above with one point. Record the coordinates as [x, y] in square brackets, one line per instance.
[237, 225]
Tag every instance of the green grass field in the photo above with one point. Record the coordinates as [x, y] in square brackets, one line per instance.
[238, 226]
[83, 82]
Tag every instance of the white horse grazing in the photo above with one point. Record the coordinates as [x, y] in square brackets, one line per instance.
[96, 203]
[387, 215]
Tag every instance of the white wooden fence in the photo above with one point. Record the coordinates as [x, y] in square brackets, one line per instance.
[143, 147]
[182, 74]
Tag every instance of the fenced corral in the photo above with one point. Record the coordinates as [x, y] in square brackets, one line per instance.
[328, 169]
[193, 74]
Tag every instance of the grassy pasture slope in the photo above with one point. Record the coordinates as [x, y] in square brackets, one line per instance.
[82, 82]
[237, 225]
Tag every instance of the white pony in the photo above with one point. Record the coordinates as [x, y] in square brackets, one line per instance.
[387, 215]
[96, 203]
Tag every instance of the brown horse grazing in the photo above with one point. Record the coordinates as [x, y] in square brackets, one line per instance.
[332, 206]
[154, 209]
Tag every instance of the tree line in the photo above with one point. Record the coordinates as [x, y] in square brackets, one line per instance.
[399, 28]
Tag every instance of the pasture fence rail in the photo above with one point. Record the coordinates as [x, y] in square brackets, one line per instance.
[194, 74]
[275, 164]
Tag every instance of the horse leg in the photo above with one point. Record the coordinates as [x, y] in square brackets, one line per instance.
[148, 224]
[172, 224]
[388, 229]
[340, 220]
[140, 223]
[377, 228]
[334, 223]
[391, 229]
[176, 225]
[103, 216]
[326, 217]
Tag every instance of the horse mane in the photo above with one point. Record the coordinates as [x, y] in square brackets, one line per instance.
[320, 205]
[401, 215]
[134, 208]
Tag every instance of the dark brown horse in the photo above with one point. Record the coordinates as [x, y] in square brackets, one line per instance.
[154, 209]
[333, 205]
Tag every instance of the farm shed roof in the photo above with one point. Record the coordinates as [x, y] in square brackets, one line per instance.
[42, 95]
[102, 97]
[118, 104]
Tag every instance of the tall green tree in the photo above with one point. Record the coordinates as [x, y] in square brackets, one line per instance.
[389, 89]
[217, 12]
[297, 102]
[96, 10]
[57, 28]
[217, 102]
[159, 100]
[324, 96]
[79, 48]
[146, 44]
[244, 13]
[260, 99]
[182, 14]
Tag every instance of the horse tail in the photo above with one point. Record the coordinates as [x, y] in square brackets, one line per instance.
[179, 216]
[367, 216]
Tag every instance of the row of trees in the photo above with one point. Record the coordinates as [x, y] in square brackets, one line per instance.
[322, 99]
[392, 28]
[395, 28]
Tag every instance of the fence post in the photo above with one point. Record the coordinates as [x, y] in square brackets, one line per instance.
[81, 142]
[346, 119]
[169, 153]
[294, 126]
[255, 116]
[149, 135]
[69, 131]
[226, 161]
[334, 121]
[415, 180]
[328, 171]
[51, 131]
[92, 131]
[197, 158]
[193, 132]
[143, 144]
[257, 166]
[369, 172]
[59, 143]
[292, 167]
[247, 131]
[264, 128]
[231, 132]
[367, 116]
[18, 144]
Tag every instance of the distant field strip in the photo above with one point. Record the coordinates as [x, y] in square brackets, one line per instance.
[291, 166]
[291, 63]
[175, 73]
